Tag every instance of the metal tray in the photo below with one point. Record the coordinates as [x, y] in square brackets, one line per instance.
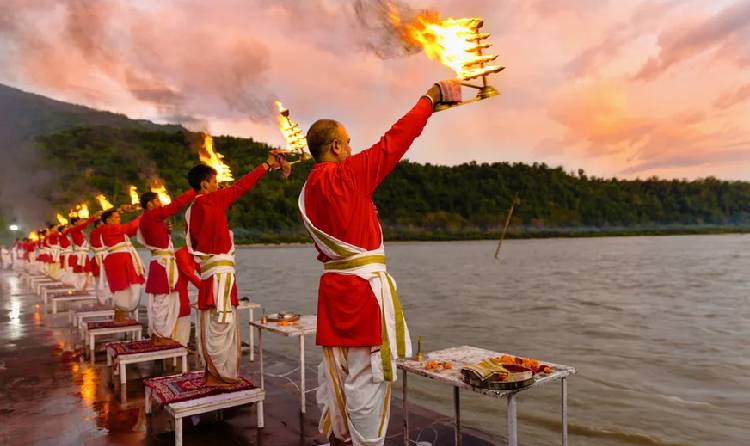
[283, 316]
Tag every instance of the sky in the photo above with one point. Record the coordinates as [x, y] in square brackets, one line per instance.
[621, 88]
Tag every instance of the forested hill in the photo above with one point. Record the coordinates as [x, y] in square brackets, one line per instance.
[417, 201]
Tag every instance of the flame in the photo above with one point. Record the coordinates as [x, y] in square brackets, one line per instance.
[134, 195]
[159, 189]
[293, 137]
[33, 236]
[83, 210]
[214, 159]
[60, 219]
[456, 43]
[103, 202]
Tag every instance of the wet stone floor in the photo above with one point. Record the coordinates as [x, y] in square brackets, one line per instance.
[51, 393]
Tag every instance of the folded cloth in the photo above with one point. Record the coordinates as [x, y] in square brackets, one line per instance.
[189, 386]
[450, 90]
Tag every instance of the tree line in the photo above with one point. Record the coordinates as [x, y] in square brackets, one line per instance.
[417, 201]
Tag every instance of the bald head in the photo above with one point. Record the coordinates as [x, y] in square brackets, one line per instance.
[320, 136]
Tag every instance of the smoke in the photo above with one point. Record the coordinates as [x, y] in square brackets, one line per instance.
[379, 22]
[95, 52]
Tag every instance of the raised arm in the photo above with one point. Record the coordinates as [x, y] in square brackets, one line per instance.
[175, 206]
[225, 197]
[131, 228]
[371, 166]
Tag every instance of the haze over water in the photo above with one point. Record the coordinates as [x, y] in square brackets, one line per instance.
[657, 327]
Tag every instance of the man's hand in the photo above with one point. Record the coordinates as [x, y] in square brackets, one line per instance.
[277, 161]
[434, 94]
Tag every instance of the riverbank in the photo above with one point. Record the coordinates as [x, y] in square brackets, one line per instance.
[300, 240]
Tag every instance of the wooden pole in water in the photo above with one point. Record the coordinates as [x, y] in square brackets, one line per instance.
[516, 201]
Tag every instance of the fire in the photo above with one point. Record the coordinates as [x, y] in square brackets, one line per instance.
[134, 195]
[33, 236]
[60, 219]
[103, 202]
[456, 43]
[293, 137]
[214, 159]
[159, 189]
[83, 210]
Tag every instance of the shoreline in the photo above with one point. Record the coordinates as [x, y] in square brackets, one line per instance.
[552, 234]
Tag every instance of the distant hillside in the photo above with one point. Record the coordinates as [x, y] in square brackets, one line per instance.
[26, 116]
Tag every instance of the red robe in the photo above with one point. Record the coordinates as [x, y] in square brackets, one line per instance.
[119, 266]
[95, 241]
[209, 231]
[64, 244]
[188, 268]
[51, 241]
[155, 234]
[338, 200]
[75, 233]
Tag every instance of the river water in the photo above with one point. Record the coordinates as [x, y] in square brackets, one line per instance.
[657, 327]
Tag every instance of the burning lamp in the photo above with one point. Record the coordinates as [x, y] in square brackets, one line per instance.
[456, 43]
[473, 64]
[293, 137]
[13, 227]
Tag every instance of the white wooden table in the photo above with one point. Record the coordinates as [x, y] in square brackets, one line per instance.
[73, 297]
[135, 331]
[47, 289]
[77, 318]
[250, 307]
[28, 279]
[208, 404]
[306, 325]
[460, 356]
[123, 359]
[36, 284]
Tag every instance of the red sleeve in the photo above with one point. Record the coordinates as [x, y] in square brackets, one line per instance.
[80, 226]
[186, 266]
[225, 197]
[174, 207]
[131, 228]
[371, 166]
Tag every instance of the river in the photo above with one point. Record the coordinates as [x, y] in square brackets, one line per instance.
[657, 327]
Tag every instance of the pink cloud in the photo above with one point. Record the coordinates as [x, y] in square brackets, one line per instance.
[733, 97]
[685, 40]
[568, 95]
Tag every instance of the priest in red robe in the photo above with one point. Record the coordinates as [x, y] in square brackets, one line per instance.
[122, 263]
[95, 264]
[77, 260]
[163, 299]
[209, 238]
[360, 321]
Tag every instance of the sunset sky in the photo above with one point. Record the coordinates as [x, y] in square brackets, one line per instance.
[618, 88]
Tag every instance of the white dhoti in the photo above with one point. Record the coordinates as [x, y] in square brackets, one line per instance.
[127, 299]
[220, 344]
[163, 312]
[354, 406]
[182, 330]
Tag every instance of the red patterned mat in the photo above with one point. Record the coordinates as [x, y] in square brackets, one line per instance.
[134, 347]
[110, 324]
[189, 386]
